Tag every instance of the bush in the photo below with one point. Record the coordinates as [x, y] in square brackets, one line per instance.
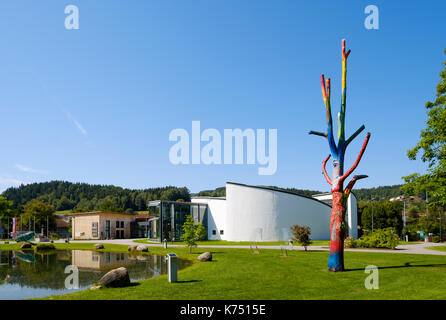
[55, 236]
[301, 234]
[381, 238]
[45, 246]
[351, 243]
[436, 239]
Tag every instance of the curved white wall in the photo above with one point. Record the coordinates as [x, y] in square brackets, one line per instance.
[216, 216]
[260, 214]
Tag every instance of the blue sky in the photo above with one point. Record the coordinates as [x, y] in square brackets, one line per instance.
[97, 104]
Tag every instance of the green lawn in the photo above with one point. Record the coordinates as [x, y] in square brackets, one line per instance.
[239, 274]
[442, 248]
[241, 243]
[325, 243]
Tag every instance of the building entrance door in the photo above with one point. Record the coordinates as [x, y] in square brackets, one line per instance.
[107, 229]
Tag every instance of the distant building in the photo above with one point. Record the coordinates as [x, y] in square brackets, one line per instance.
[407, 199]
[247, 213]
[62, 228]
[101, 225]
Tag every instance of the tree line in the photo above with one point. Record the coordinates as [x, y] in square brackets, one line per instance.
[63, 195]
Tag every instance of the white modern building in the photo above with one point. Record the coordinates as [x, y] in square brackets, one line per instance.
[251, 213]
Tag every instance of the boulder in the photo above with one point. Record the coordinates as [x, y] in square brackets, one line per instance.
[207, 256]
[98, 246]
[132, 248]
[96, 288]
[116, 278]
[142, 248]
[26, 245]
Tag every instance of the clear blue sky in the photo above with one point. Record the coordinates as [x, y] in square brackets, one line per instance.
[97, 104]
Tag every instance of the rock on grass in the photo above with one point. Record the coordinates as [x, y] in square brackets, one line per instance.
[116, 278]
[207, 256]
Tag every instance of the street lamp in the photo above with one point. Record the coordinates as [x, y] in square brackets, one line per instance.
[371, 202]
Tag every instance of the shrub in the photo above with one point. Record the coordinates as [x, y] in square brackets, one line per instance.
[45, 246]
[301, 234]
[381, 238]
[436, 239]
[351, 243]
[55, 236]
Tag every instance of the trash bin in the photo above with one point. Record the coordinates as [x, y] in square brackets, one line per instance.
[172, 267]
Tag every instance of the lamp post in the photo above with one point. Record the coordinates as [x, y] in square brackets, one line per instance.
[440, 222]
[371, 203]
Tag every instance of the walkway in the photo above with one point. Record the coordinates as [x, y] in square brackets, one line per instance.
[407, 248]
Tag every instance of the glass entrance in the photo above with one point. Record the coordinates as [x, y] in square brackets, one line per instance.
[107, 229]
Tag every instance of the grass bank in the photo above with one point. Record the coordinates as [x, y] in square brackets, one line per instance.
[325, 243]
[239, 274]
[442, 248]
[240, 243]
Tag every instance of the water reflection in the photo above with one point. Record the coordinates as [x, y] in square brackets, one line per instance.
[25, 274]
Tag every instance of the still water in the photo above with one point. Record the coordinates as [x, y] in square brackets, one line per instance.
[25, 274]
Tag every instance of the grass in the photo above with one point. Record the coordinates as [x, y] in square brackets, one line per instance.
[442, 248]
[237, 274]
[240, 243]
[324, 243]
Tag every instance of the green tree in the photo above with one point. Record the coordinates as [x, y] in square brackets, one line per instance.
[386, 214]
[301, 234]
[432, 146]
[192, 232]
[5, 207]
[41, 212]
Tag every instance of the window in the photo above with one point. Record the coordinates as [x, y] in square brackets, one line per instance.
[117, 224]
[214, 232]
[122, 224]
[94, 229]
[221, 232]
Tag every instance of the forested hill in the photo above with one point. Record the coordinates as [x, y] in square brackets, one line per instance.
[82, 196]
[378, 193]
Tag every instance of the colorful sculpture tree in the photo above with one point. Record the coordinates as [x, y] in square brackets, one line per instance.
[338, 228]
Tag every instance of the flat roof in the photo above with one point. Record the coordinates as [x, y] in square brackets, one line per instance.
[208, 197]
[157, 202]
[92, 213]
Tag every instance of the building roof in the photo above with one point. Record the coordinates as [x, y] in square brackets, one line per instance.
[278, 190]
[91, 213]
[143, 216]
[209, 197]
[60, 223]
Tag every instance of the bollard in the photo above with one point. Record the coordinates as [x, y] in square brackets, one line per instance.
[165, 243]
[172, 267]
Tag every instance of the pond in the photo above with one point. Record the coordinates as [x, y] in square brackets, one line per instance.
[25, 274]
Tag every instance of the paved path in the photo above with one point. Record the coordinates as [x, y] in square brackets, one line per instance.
[407, 248]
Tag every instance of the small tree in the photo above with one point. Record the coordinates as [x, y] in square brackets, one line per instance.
[301, 234]
[192, 232]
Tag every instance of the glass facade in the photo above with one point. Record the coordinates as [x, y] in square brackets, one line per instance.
[168, 218]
